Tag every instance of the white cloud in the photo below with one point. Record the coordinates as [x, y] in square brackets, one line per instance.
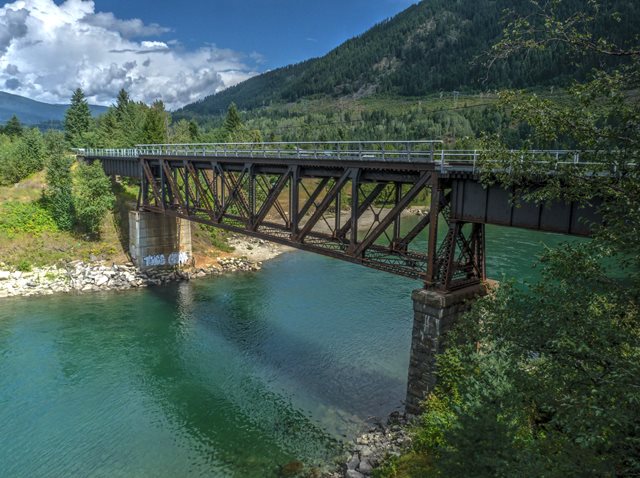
[127, 28]
[47, 50]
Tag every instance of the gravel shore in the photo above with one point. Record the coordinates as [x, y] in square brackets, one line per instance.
[83, 277]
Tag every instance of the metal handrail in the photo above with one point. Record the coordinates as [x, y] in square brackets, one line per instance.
[413, 151]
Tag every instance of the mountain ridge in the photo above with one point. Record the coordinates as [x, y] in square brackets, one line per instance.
[32, 112]
[431, 46]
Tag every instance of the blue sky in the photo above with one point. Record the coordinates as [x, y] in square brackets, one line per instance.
[178, 52]
[283, 31]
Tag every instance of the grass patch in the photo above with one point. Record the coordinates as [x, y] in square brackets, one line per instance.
[25, 217]
[27, 190]
[54, 248]
[218, 238]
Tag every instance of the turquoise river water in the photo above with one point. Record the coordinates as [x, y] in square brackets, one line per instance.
[230, 376]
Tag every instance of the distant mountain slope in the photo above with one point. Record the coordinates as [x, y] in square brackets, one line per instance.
[34, 112]
[432, 46]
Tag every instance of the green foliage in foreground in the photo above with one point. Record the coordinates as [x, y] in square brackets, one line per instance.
[541, 379]
[93, 197]
[552, 390]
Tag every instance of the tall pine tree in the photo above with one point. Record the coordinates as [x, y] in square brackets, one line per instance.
[13, 127]
[77, 120]
[156, 124]
[232, 122]
[122, 104]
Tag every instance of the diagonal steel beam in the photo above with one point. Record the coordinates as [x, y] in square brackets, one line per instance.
[235, 194]
[272, 199]
[172, 184]
[391, 216]
[152, 181]
[404, 242]
[324, 204]
[312, 198]
[362, 208]
[199, 188]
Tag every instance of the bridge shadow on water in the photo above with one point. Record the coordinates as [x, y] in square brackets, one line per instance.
[259, 381]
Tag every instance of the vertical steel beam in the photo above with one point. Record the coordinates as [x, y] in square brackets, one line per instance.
[252, 192]
[338, 207]
[432, 245]
[397, 220]
[355, 210]
[294, 200]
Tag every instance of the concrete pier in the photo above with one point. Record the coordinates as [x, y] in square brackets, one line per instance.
[157, 241]
[435, 313]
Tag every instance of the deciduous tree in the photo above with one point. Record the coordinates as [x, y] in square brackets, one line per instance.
[93, 197]
[552, 388]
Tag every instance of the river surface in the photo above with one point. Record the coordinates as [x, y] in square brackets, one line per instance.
[229, 376]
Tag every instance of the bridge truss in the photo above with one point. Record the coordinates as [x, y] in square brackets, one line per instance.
[353, 212]
[344, 200]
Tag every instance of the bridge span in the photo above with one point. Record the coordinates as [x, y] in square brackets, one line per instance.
[315, 197]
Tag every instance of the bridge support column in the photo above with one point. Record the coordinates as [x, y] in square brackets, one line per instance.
[157, 241]
[435, 313]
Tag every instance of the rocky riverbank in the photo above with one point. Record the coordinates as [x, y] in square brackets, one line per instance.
[370, 449]
[79, 277]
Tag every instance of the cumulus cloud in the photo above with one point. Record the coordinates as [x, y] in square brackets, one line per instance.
[127, 28]
[12, 26]
[47, 50]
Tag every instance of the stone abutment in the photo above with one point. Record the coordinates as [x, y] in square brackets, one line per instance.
[435, 313]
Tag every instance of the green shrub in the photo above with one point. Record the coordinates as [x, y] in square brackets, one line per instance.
[31, 218]
[22, 157]
[24, 266]
[93, 197]
[59, 194]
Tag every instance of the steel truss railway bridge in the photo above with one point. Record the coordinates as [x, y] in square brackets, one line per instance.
[315, 196]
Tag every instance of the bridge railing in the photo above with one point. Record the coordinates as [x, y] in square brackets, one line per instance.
[405, 151]
[385, 151]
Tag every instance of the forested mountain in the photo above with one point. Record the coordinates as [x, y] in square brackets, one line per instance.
[35, 112]
[436, 45]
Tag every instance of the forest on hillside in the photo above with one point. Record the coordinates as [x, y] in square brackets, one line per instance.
[435, 46]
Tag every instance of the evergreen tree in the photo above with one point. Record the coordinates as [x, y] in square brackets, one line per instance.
[194, 132]
[13, 127]
[77, 120]
[122, 104]
[180, 132]
[232, 122]
[26, 158]
[156, 124]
